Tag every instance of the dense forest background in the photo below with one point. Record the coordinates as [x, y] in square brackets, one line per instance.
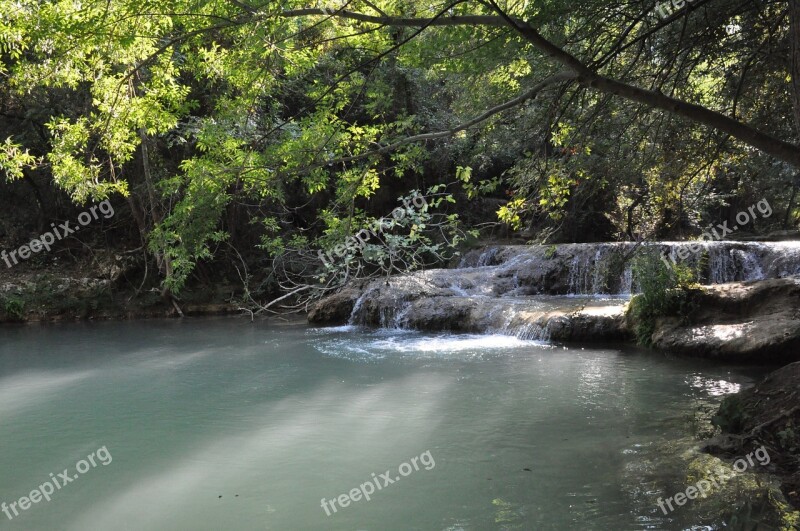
[236, 139]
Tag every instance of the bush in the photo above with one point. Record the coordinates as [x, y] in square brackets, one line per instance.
[13, 307]
[663, 292]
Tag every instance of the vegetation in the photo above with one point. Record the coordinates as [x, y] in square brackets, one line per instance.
[237, 132]
[13, 307]
[663, 292]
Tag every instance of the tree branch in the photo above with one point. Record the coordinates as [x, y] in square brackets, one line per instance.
[586, 76]
[522, 98]
[459, 20]
[589, 78]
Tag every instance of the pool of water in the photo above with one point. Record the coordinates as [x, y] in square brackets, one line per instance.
[217, 424]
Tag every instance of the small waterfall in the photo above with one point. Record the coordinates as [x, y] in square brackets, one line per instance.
[601, 269]
[579, 270]
[509, 322]
[721, 265]
[532, 331]
[626, 280]
[483, 258]
[786, 261]
[355, 316]
[395, 316]
[487, 258]
[599, 272]
[458, 290]
[748, 265]
[586, 273]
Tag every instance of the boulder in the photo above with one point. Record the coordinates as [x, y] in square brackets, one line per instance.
[756, 321]
[767, 414]
[335, 309]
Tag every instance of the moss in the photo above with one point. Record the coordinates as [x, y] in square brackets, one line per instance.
[732, 416]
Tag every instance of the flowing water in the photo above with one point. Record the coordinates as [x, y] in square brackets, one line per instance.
[220, 424]
[591, 268]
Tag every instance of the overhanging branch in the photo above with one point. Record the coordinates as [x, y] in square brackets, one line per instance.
[460, 20]
[586, 76]
[519, 100]
[591, 79]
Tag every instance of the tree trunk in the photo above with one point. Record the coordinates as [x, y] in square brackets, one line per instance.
[163, 261]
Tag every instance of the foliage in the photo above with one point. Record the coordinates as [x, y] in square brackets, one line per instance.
[13, 307]
[511, 213]
[206, 116]
[417, 234]
[663, 292]
[14, 159]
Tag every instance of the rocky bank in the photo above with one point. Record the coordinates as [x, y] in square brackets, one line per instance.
[768, 415]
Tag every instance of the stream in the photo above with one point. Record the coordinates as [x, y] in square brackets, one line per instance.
[220, 423]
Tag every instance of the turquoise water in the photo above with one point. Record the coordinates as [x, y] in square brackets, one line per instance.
[219, 424]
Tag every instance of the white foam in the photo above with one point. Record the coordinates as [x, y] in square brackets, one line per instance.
[382, 344]
[454, 343]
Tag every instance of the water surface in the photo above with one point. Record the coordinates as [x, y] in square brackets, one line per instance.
[223, 424]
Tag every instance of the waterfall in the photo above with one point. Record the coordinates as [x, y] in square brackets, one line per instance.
[508, 321]
[626, 280]
[600, 268]
[392, 315]
[749, 265]
[356, 318]
[395, 316]
[534, 291]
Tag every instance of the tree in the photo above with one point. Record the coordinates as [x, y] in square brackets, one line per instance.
[304, 118]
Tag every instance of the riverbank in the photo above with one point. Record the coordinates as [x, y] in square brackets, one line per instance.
[100, 289]
[766, 415]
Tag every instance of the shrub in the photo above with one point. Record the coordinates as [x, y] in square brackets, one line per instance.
[14, 307]
[663, 292]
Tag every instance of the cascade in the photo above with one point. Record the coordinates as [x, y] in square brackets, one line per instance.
[513, 285]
